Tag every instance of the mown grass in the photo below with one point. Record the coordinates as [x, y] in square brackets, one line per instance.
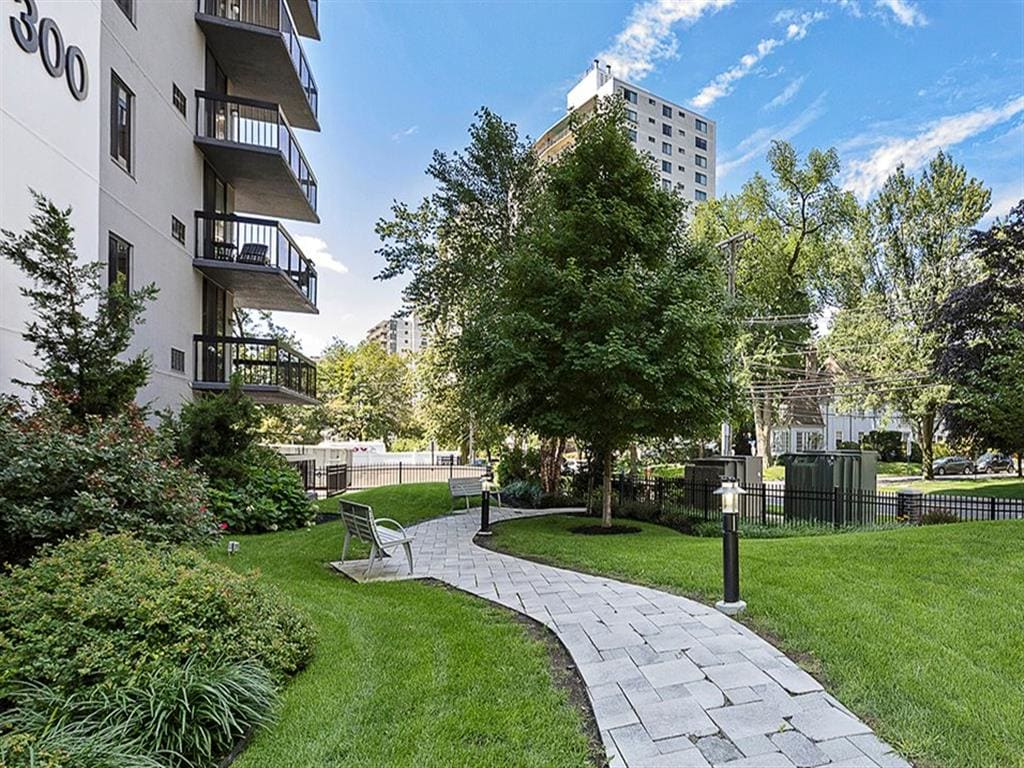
[405, 674]
[917, 630]
[1001, 488]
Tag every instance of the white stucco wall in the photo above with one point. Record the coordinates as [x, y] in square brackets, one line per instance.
[48, 142]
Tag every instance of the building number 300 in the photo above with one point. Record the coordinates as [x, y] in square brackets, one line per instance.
[47, 39]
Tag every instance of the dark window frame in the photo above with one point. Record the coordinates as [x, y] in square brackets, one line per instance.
[127, 8]
[666, 111]
[119, 259]
[177, 229]
[177, 360]
[179, 101]
[122, 119]
[666, 130]
[700, 143]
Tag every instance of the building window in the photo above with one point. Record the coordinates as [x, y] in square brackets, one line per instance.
[666, 148]
[700, 178]
[178, 229]
[631, 115]
[666, 130]
[119, 260]
[701, 143]
[701, 161]
[122, 103]
[666, 184]
[128, 7]
[651, 120]
[178, 99]
[629, 95]
[666, 111]
[650, 139]
[177, 360]
[666, 166]
[702, 127]
[700, 194]
[632, 134]
[650, 101]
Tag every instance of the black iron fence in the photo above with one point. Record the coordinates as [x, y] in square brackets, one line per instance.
[774, 505]
[332, 479]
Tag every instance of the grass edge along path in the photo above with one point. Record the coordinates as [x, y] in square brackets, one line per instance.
[405, 673]
[917, 630]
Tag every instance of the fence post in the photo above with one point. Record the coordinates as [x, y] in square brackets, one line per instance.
[399, 473]
[908, 505]
[992, 508]
[451, 470]
[764, 504]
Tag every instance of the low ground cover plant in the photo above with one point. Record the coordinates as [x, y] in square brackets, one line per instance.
[152, 650]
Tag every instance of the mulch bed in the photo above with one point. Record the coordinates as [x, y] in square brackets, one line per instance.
[600, 530]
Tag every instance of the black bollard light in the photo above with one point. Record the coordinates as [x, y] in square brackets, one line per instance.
[730, 493]
[485, 505]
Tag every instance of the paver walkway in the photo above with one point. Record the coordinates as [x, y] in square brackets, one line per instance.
[672, 682]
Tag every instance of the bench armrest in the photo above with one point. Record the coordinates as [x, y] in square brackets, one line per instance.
[379, 520]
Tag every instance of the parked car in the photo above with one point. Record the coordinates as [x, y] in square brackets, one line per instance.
[990, 463]
[953, 465]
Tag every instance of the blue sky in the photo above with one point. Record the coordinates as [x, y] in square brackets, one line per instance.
[883, 81]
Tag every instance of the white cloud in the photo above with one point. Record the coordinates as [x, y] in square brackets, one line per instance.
[904, 11]
[723, 83]
[316, 249]
[407, 132]
[648, 35]
[852, 7]
[787, 94]
[757, 143]
[865, 176]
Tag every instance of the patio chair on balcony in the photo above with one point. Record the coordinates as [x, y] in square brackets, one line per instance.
[222, 250]
[253, 253]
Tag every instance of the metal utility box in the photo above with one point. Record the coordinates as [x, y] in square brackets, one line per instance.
[834, 487]
[708, 472]
[746, 469]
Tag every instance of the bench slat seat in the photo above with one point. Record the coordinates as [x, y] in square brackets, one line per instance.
[468, 488]
[361, 524]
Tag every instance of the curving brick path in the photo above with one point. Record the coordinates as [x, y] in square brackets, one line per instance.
[672, 682]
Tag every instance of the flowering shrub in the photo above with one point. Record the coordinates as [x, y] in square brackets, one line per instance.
[61, 477]
[268, 497]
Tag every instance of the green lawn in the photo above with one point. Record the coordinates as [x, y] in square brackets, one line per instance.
[1000, 488]
[917, 630]
[405, 674]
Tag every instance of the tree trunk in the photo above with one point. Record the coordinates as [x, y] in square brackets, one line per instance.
[606, 490]
[927, 429]
[1020, 463]
[551, 449]
[634, 460]
[763, 428]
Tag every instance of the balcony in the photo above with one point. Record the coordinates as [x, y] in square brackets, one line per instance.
[257, 260]
[269, 370]
[306, 15]
[251, 146]
[257, 45]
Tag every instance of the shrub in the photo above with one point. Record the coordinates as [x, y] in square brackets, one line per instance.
[916, 455]
[888, 443]
[517, 465]
[558, 500]
[252, 488]
[522, 493]
[111, 610]
[61, 477]
[268, 498]
[939, 517]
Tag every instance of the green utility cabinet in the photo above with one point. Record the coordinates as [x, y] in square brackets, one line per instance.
[836, 487]
[702, 474]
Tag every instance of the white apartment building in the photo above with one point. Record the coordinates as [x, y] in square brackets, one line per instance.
[170, 129]
[681, 142]
[400, 334]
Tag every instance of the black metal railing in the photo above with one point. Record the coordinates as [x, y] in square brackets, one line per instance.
[839, 508]
[256, 124]
[271, 14]
[375, 475]
[254, 242]
[256, 362]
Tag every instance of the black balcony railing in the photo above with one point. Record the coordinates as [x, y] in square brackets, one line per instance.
[274, 15]
[257, 124]
[264, 363]
[250, 241]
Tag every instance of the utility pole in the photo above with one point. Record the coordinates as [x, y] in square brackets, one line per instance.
[731, 244]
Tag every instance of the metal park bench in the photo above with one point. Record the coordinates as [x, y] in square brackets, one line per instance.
[468, 488]
[360, 523]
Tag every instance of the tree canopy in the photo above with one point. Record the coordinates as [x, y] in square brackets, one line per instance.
[611, 324]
